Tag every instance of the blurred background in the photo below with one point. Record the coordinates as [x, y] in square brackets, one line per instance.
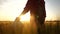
[10, 9]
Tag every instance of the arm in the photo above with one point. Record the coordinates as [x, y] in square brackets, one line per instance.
[26, 9]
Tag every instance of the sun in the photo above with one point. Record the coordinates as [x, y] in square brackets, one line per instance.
[25, 18]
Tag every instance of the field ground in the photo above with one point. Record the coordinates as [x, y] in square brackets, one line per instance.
[9, 27]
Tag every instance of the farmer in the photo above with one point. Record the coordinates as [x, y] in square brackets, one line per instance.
[37, 9]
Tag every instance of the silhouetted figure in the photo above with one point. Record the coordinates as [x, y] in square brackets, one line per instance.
[37, 9]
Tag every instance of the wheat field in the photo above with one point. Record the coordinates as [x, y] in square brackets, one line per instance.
[9, 27]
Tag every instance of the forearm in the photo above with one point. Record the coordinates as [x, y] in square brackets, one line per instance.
[24, 11]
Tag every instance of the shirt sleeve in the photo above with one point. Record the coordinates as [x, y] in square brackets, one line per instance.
[27, 7]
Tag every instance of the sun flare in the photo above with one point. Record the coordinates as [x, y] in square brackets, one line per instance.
[25, 17]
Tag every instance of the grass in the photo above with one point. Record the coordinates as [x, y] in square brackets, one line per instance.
[9, 27]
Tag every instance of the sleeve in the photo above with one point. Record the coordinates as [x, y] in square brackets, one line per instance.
[27, 7]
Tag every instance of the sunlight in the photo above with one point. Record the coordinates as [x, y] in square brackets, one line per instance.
[25, 18]
[11, 9]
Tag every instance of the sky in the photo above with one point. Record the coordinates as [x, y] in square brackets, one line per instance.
[10, 9]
